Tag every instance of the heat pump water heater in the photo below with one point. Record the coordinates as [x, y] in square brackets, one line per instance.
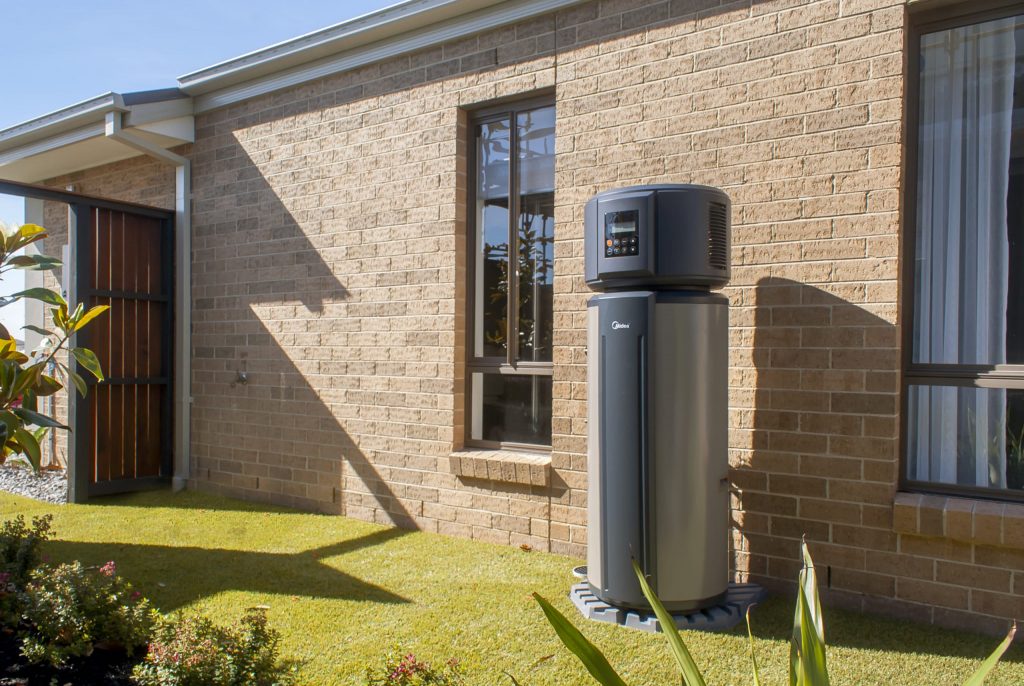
[657, 382]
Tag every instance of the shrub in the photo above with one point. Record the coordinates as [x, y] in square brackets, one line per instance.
[71, 609]
[19, 555]
[406, 670]
[194, 651]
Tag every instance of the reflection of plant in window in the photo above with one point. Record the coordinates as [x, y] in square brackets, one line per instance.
[534, 268]
[1014, 454]
[1007, 429]
[496, 257]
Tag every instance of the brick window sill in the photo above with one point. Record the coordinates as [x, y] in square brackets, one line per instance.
[961, 519]
[533, 469]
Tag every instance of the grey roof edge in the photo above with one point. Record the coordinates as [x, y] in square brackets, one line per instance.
[388, 21]
[81, 114]
[68, 117]
[260, 78]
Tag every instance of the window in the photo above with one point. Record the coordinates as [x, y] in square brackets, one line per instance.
[963, 392]
[511, 272]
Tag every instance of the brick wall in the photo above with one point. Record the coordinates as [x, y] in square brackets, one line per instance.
[329, 262]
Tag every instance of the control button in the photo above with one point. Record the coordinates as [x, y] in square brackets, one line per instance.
[634, 250]
[617, 243]
[608, 242]
[618, 251]
[632, 241]
[609, 252]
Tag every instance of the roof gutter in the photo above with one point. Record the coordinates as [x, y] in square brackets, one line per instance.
[397, 30]
[115, 130]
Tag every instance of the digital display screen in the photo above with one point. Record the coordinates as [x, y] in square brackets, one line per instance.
[617, 228]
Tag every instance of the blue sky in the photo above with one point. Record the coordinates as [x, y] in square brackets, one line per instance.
[58, 52]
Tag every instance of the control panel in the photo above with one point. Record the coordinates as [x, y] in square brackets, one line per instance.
[622, 233]
[663, 236]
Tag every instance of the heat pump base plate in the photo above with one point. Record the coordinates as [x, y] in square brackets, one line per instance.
[721, 617]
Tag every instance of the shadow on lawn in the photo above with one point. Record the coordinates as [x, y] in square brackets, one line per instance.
[191, 500]
[773, 620]
[191, 573]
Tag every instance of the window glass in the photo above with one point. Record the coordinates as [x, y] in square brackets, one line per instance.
[492, 240]
[966, 436]
[511, 408]
[536, 227]
[512, 288]
[969, 249]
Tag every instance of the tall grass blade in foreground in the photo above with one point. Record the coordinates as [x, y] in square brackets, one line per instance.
[978, 678]
[807, 664]
[589, 655]
[753, 655]
[687, 667]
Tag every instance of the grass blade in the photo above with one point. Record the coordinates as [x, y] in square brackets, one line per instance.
[753, 655]
[978, 678]
[688, 668]
[577, 643]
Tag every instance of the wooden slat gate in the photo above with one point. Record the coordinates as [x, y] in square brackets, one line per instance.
[122, 255]
[122, 436]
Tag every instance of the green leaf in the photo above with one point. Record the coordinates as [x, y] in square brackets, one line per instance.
[29, 447]
[9, 421]
[753, 654]
[807, 663]
[34, 262]
[79, 383]
[46, 386]
[88, 359]
[26, 234]
[90, 315]
[30, 417]
[978, 678]
[577, 643]
[687, 667]
[43, 295]
[38, 330]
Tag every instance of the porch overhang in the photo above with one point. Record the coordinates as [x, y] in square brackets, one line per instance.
[74, 138]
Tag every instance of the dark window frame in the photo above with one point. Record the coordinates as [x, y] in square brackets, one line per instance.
[506, 109]
[937, 17]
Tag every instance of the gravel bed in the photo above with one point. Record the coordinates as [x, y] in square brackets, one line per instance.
[50, 486]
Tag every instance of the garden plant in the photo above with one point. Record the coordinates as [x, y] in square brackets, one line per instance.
[405, 670]
[63, 615]
[807, 661]
[25, 377]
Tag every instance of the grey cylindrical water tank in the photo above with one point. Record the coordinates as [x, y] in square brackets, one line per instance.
[657, 388]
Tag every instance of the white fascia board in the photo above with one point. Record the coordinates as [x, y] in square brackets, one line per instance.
[62, 120]
[495, 16]
[367, 28]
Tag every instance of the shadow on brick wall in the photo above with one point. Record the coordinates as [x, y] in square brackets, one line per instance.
[816, 440]
[269, 314]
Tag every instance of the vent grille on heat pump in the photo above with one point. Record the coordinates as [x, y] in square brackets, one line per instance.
[718, 232]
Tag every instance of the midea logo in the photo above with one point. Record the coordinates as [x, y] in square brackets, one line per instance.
[620, 325]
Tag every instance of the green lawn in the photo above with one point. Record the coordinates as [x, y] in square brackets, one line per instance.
[342, 592]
